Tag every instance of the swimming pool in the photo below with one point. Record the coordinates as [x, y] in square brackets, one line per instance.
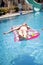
[28, 52]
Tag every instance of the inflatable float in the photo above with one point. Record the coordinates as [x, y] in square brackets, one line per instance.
[31, 34]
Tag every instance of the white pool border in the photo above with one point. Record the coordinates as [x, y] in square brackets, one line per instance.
[8, 15]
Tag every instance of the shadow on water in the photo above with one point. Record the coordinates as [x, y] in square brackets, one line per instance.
[23, 44]
[23, 60]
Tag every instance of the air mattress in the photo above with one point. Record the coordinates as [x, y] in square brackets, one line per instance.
[31, 34]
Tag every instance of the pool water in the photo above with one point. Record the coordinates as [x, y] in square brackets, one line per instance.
[29, 52]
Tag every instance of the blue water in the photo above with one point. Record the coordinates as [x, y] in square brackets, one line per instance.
[29, 52]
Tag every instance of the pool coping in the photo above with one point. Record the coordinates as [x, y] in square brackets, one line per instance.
[8, 15]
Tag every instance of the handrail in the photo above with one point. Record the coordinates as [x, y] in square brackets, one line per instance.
[36, 2]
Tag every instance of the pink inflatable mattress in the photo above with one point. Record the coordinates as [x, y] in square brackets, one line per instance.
[31, 35]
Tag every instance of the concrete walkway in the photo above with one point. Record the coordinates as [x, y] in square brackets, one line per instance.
[14, 14]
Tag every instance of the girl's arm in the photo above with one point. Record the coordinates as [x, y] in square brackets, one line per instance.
[8, 32]
[12, 29]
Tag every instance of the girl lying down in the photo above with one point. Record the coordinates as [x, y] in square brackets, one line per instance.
[22, 30]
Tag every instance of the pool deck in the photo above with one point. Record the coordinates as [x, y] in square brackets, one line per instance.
[8, 15]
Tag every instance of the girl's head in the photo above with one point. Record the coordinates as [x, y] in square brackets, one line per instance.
[24, 24]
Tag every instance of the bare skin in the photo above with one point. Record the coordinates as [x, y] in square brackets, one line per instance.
[12, 30]
[21, 32]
